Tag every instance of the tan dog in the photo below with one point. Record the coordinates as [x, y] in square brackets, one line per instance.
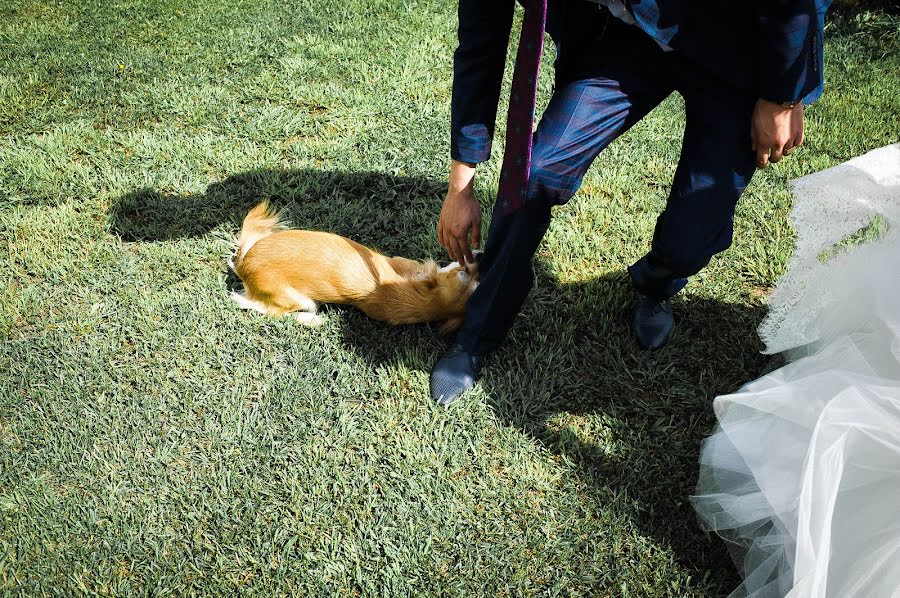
[287, 271]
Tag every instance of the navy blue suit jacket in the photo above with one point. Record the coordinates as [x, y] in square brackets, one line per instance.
[770, 48]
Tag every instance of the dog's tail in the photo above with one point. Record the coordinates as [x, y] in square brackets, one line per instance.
[259, 223]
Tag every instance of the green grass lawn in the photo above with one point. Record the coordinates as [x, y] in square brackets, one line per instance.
[156, 440]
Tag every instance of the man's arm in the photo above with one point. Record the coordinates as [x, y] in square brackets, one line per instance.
[478, 62]
[789, 48]
[484, 27]
[789, 59]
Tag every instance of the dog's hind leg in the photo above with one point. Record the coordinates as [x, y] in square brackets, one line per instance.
[288, 301]
[308, 319]
[303, 307]
[245, 302]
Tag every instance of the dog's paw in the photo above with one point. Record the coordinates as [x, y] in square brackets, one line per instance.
[309, 319]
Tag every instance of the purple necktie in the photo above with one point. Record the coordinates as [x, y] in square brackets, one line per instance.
[520, 118]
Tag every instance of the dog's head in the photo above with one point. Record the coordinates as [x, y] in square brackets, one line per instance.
[454, 284]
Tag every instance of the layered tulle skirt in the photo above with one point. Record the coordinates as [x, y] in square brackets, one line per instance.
[802, 475]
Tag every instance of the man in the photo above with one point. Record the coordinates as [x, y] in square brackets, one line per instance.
[744, 68]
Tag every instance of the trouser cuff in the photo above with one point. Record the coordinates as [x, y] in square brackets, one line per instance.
[651, 278]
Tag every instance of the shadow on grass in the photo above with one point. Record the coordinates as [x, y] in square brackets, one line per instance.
[372, 208]
[854, 7]
[570, 353]
[656, 407]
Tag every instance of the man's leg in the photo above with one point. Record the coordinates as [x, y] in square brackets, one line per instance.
[715, 167]
[583, 117]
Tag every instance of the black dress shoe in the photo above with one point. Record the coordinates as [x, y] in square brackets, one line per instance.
[453, 374]
[653, 322]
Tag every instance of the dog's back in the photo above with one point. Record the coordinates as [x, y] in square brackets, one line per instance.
[323, 266]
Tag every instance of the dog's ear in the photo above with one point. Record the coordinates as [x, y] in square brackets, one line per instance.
[472, 267]
[430, 267]
[451, 325]
[472, 270]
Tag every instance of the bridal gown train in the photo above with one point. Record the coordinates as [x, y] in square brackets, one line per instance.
[802, 476]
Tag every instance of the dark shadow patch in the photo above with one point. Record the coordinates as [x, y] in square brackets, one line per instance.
[379, 210]
[571, 354]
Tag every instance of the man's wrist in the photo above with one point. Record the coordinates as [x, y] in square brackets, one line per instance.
[462, 176]
[787, 105]
[462, 163]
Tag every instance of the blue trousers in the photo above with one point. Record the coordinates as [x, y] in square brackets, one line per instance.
[609, 75]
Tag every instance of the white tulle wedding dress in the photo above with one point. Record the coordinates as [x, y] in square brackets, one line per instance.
[802, 475]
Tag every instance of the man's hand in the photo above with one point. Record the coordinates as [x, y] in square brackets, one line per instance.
[775, 131]
[461, 214]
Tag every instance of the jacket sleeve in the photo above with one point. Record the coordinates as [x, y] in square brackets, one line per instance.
[484, 27]
[789, 49]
